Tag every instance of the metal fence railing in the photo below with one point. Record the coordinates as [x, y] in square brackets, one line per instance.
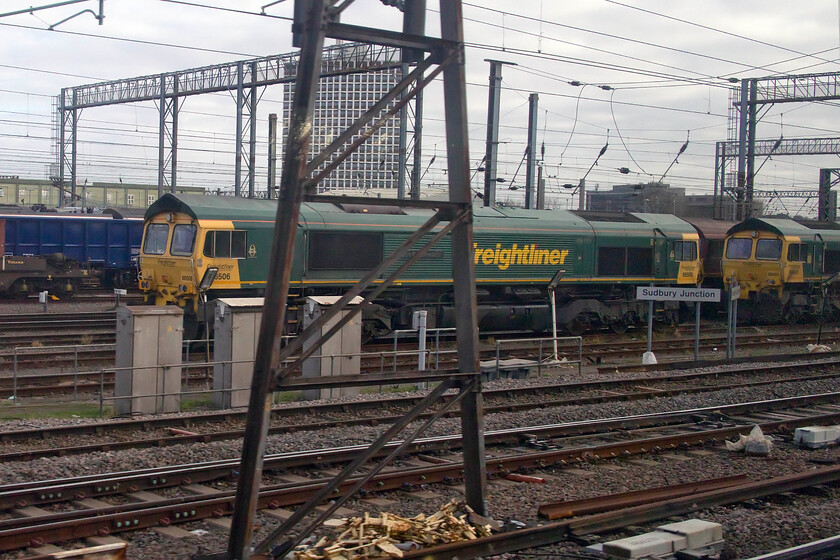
[433, 357]
[548, 352]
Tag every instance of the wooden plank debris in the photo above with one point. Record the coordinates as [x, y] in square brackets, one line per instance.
[388, 535]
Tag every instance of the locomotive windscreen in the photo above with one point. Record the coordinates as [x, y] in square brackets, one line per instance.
[344, 251]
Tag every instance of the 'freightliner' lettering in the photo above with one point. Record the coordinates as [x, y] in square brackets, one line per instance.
[525, 255]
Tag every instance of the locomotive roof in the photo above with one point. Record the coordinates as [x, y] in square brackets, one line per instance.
[779, 226]
[212, 207]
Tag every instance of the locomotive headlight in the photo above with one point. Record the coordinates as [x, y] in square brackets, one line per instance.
[207, 279]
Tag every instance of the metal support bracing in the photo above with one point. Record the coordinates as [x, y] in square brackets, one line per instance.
[826, 211]
[749, 183]
[779, 193]
[246, 124]
[742, 149]
[272, 155]
[463, 269]
[328, 490]
[414, 23]
[531, 169]
[276, 69]
[784, 147]
[727, 152]
[717, 209]
[453, 218]
[68, 134]
[296, 346]
[279, 271]
[764, 92]
[375, 109]
[252, 135]
[402, 166]
[168, 106]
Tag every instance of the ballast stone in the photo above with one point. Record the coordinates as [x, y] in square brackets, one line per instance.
[816, 436]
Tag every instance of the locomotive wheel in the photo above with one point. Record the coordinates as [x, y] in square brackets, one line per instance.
[794, 316]
[619, 326]
[371, 330]
[578, 325]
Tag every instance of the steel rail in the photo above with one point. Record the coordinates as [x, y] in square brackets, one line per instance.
[50, 491]
[552, 533]
[20, 532]
[610, 502]
[641, 389]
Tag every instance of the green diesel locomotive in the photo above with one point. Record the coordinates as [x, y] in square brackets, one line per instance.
[516, 253]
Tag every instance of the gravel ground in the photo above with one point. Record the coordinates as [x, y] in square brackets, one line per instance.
[15, 307]
[770, 528]
[761, 527]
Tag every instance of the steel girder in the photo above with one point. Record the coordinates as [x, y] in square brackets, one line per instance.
[315, 20]
[797, 88]
[168, 106]
[726, 180]
[169, 89]
[275, 69]
[757, 92]
[68, 120]
[246, 124]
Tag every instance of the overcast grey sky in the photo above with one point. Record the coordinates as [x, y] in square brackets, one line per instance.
[667, 62]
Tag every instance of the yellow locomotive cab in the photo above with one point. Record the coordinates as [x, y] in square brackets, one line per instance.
[182, 256]
[753, 259]
[167, 264]
[687, 255]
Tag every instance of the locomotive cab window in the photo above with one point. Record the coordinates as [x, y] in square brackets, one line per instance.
[738, 248]
[685, 251]
[797, 252]
[226, 244]
[156, 237]
[768, 249]
[183, 240]
[344, 251]
[625, 261]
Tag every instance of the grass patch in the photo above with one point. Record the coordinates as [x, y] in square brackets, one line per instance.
[287, 396]
[405, 387]
[196, 402]
[10, 411]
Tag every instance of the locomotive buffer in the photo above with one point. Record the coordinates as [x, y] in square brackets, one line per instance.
[667, 293]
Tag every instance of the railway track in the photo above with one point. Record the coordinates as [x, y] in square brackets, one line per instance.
[147, 498]
[226, 425]
[38, 321]
[80, 367]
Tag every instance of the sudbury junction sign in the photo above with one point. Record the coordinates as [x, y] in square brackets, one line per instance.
[664, 293]
[657, 293]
